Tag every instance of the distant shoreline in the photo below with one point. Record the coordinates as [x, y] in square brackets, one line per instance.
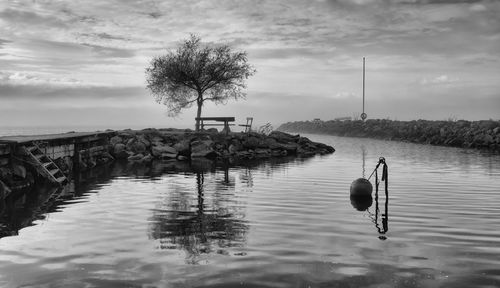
[483, 134]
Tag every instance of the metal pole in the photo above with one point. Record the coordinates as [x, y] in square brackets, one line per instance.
[363, 84]
[363, 115]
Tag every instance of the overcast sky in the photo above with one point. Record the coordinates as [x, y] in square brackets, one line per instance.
[82, 62]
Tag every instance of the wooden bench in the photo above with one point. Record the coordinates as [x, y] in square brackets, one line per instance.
[225, 122]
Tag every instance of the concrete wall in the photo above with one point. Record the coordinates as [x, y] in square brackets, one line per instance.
[59, 151]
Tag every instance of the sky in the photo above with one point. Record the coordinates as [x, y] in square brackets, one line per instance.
[82, 62]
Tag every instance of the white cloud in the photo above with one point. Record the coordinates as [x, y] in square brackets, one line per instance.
[33, 79]
[437, 80]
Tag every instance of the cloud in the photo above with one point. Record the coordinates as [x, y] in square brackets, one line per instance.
[107, 52]
[97, 51]
[19, 18]
[32, 79]
[439, 80]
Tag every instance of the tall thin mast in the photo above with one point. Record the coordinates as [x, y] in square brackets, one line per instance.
[363, 84]
[363, 115]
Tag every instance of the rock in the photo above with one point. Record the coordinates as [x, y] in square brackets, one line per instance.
[182, 158]
[202, 148]
[143, 140]
[283, 137]
[232, 149]
[158, 150]
[262, 153]
[157, 140]
[245, 155]
[118, 149]
[115, 140]
[136, 157]
[136, 146]
[183, 147]
[168, 156]
[123, 154]
[271, 143]
[147, 158]
[289, 147]
[251, 142]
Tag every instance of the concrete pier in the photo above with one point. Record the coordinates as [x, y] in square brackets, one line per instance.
[63, 152]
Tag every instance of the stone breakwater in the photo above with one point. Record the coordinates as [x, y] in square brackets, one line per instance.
[146, 145]
[483, 134]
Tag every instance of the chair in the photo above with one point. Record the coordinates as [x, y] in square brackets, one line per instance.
[248, 125]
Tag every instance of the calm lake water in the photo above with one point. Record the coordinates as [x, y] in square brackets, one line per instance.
[280, 223]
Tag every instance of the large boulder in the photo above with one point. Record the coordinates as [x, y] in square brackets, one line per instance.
[183, 147]
[283, 137]
[143, 140]
[115, 140]
[136, 146]
[119, 151]
[136, 157]
[202, 148]
[251, 142]
[168, 156]
[160, 149]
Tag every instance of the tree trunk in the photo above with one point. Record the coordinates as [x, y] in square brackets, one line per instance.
[199, 101]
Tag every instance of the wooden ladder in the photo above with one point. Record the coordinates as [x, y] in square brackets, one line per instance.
[44, 164]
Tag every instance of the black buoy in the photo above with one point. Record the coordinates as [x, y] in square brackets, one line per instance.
[361, 187]
[361, 203]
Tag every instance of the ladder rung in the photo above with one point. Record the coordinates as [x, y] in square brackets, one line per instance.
[61, 179]
[31, 148]
[54, 171]
[47, 164]
[39, 156]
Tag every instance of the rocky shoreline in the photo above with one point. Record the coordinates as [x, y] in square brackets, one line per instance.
[483, 134]
[165, 145]
[148, 144]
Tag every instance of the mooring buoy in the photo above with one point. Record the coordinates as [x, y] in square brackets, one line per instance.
[361, 203]
[361, 187]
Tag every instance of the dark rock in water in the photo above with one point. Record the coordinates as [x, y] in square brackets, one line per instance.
[167, 156]
[158, 150]
[135, 157]
[183, 147]
[201, 148]
[361, 187]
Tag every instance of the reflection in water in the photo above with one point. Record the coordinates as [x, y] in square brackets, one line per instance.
[202, 227]
[385, 216]
[363, 154]
[364, 202]
[21, 208]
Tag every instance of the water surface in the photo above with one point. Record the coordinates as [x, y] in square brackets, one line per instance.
[280, 223]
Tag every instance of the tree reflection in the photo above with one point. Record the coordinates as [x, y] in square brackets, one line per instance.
[210, 222]
[213, 219]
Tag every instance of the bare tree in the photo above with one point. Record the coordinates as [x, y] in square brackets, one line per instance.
[195, 73]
